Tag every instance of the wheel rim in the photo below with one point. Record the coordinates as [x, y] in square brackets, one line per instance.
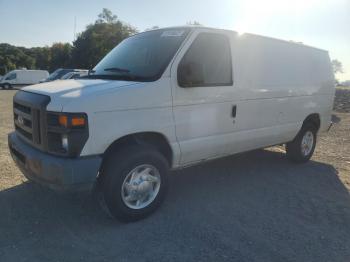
[141, 186]
[307, 143]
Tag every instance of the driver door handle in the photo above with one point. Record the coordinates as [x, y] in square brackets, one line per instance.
[234, 111]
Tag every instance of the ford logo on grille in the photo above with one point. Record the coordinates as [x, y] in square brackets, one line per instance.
[20, 120]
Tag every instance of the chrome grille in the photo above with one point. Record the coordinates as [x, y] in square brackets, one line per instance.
[29, 111]
[23, 120]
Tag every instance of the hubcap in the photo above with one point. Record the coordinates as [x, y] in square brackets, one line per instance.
[141, 186]
[307, 143]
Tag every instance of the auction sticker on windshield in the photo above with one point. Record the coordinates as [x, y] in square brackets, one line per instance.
[172, 33]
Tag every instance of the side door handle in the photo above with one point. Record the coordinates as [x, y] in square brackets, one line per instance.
[234, 111]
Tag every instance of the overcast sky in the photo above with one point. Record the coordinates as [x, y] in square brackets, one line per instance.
[321, 23]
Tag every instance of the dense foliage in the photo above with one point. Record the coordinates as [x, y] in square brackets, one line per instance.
[89, 47]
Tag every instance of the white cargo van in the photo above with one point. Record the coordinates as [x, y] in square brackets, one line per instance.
[19, 78]
[166, 99]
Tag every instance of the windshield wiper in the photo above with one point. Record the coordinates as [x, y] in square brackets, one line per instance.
[125, 73]
[125, 77]
[117, 69]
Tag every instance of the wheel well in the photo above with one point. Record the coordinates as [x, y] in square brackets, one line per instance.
[157, 140]
[314, 119]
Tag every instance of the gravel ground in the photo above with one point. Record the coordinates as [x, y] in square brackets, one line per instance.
[250, 207]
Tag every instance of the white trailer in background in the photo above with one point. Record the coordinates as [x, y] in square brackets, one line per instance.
[19, 78]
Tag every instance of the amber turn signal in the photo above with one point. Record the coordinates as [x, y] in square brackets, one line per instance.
[63, 120]
[74, 121]
[78, 121]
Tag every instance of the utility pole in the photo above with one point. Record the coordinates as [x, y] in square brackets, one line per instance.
[75, 28]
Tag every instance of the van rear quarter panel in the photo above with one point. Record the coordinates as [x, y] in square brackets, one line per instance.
[282, 81]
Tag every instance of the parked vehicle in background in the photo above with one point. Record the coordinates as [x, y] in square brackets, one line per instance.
[170, 98]
[75, 74]
[59, 73]
[18, 78]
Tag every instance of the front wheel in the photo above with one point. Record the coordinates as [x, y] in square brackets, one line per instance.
[7, 86]
[301, 149]
[134, 182]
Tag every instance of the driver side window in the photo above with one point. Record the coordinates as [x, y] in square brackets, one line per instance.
[207, 62]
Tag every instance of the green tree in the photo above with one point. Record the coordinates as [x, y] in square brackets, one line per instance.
[106, 17]
[337, 66]
[61, 54]
[12, 57]
[98, 39]
[87, 50]
[42, 57]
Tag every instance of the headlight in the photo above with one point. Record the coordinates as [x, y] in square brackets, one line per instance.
[65, 142]
[67, 133]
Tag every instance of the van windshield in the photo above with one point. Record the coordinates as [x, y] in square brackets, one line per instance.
[142, 57]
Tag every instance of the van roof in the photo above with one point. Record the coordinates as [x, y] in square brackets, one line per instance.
[193, 27]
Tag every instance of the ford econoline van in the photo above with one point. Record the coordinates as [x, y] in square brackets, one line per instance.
[167, 99]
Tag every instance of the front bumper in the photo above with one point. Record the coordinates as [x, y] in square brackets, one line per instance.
[57, 173]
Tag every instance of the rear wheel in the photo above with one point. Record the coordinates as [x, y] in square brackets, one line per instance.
[134, 182]
[301, 149]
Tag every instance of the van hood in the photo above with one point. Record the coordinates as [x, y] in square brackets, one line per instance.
[65, 87]
[62, 92]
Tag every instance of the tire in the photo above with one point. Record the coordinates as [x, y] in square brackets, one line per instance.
[301, 149]
[122, 190]
[7, 86]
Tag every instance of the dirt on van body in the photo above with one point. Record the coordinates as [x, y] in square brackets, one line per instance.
[255, 206]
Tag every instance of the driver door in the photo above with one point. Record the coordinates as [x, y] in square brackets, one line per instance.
[203, 96]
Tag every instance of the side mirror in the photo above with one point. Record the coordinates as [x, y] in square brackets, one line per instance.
[190, 74]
